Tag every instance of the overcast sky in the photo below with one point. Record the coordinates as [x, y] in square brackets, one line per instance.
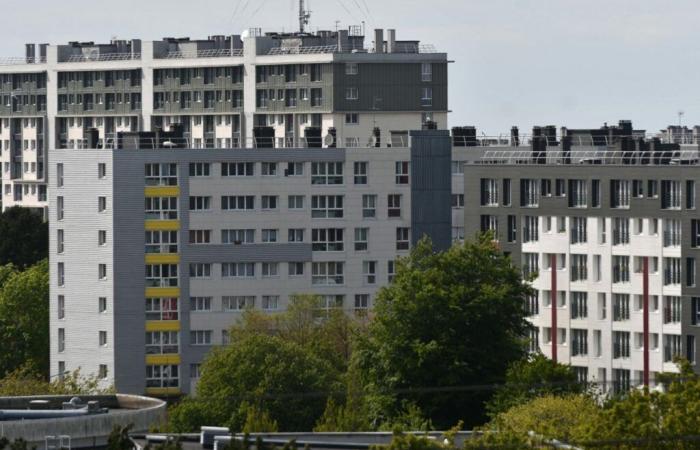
[577, 63]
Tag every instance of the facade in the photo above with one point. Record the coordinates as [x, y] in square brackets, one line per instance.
[583, 219]
[217, 90]
[156, 252]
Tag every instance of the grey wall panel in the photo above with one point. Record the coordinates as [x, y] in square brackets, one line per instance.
[240, 155]
[431, 187]
[248, 253]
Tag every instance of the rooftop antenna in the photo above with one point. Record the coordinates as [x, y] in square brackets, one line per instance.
[304, 16]
[680, 117]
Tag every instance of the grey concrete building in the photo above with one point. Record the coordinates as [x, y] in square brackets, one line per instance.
[156, 252]
[218, 90]
[608, 226]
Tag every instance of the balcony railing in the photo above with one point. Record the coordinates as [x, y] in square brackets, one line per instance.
[102, 57]
[207, 53]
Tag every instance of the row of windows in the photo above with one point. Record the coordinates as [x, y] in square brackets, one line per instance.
[107, 78]
[208, 75]
[110, 100]
[208, 99]
[495, 192]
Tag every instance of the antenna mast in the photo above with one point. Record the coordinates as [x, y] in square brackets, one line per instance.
[303, 16]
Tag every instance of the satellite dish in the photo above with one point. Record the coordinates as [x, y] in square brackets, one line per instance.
[93, 55]
[329, 140]
[168, 144]
[372, 141]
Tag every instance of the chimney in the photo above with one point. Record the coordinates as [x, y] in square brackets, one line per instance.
[391, 41]
[378, 40]
[343, 43]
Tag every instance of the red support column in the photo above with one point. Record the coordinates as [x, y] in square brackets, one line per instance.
[645, 290]
[555, 334]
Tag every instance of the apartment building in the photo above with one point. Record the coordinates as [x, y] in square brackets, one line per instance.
[327, 86]
[156, 252]
[607, 225]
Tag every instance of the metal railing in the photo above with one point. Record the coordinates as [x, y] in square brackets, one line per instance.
[525, 140]
[602, 156]
[19, 60]
[207, 53]
[103, 57]
[303, 50]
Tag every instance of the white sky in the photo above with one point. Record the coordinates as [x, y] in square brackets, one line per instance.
[576, 63]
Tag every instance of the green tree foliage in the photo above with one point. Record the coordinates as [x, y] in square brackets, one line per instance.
[24, 237]
[24, 381]
[534, 376]
[281, 378]
[24, 318]
[435, 327]
[258, 421]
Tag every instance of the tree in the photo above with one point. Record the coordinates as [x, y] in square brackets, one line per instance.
[24, 319]
[449, 319]
[25, 237]
[287, 383]
[533, 377]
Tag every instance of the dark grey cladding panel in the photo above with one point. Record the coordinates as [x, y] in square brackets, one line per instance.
[248, 253]
[431, 187]
[184, 155]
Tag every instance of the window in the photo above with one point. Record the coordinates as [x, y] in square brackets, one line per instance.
[457, 201]
[595, 193]
[61, 340]
[238, 236]
[560, 187]
[295, 235]
[390, 270]
[529, 192]
[672, 347]
[200, 337]
[295, 202]
[238, 202]
[327, 273]
[237, 302]
[369, 272]
[530, 264]
[200, 270]
[102, 338]
[162, 308]
[361, 304]
[621, 269]
[670, 194]
[200, 203]
[672, 309]
[672, 233]
[690, 272]
[162, 376]
[621, 344]
[161, 275]
[238, 270]
[672, 271]
[579, 305]
[269, 235]
[59, 241]
[61, 307]
[102, 238]
[351, 68]
[369, 206]
[352, 93]
[327, 240]
[530, 229]
[329, 302]
[690, 194]
[512, 229]
[578, 193]
[269, 169]
[200, 169]
[619, 193]
[270, 302]
[652, 189]
[59, 207]
[695, 233]
[102, 371]
[327, 206]
[200, 236]
[239, 169]
[579, 267]
[489, 192]
[161, 208]
[621, 307]
[200, 304]
[426, 98]
[579, 230]
[637, 188]
[403, 238]
[101, 170]
[457, 167]
[426, 72]
[162, 342]
[361, 239]
[102, 271]
[394, 205]
[101, 304]
[579, 342]
[270, 270]
[295, 269]
[402, 172]
[327, 173]
[101, 204]
[161, 174]
[352, 119]
[294, 169]
[59, 175]
[621, 231]
[269, 202]
[360, 172]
